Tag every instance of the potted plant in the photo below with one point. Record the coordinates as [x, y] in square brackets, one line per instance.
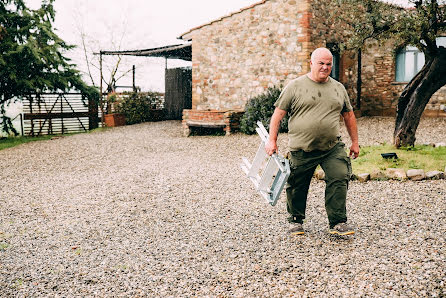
[112, 118]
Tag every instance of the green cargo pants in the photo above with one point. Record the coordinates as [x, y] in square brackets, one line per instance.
[337, 167]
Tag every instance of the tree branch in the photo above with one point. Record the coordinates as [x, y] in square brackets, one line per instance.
[84, 47]
[120, 77]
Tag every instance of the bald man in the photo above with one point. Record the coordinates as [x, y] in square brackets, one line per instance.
[314, 103]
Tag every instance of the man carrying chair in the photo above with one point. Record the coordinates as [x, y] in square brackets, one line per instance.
[314, 102]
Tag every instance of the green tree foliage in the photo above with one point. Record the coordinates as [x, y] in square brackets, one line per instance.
[32, 56]
[419, 25]
[261, 108]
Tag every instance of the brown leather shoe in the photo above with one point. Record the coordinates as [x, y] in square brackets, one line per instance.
[342, 229]
[297, 229]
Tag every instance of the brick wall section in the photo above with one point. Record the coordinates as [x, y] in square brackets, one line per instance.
[239, 56]
[228, 120]
[380, 91]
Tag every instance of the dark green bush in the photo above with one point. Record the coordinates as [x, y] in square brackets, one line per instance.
[140, 107]
[261, 108]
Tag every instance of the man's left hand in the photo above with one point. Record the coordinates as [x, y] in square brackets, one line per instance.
[354, 151]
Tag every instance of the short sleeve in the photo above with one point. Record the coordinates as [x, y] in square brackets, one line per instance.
[285, 98]
[347, 105]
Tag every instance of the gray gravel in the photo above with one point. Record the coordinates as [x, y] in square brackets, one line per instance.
[142, 211]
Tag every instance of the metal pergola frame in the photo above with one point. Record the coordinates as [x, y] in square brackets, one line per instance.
[178, 51]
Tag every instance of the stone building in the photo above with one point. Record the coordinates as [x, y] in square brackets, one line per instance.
[269, 43]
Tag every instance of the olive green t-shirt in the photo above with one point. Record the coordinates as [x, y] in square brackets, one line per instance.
[313, 110]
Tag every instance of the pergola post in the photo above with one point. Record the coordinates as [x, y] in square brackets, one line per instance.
[101, 102]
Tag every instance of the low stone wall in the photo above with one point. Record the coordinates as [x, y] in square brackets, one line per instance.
[392, 174]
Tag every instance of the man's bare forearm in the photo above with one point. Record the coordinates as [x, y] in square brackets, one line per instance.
[271, 145]
[275, 123]
[352, 129]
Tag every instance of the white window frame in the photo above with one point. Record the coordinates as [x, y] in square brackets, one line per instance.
[410, 60]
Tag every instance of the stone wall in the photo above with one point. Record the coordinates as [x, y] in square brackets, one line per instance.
[380, 91]
[268, 44]
[238, 57]
[324, 32]
[437, 105]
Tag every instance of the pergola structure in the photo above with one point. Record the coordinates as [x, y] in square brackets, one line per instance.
[178, 51]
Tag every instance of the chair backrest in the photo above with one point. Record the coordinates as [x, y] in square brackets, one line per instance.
[268, 173]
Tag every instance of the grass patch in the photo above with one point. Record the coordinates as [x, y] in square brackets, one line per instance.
[3, 246]
[99, 129]
[78, 251]
[15, 141]
[17, 283]
[8, 142]
[423, 157]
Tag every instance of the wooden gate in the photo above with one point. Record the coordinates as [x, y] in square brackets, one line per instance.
[58, 113]
[178, 95]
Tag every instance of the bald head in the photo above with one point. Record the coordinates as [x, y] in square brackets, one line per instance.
[321, 52]
[320, 65]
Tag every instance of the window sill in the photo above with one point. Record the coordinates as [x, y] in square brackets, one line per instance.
[399, 83]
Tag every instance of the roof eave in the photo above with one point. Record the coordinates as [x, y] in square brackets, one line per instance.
[219, 19]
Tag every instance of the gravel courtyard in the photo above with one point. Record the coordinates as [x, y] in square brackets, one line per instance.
[143, 211]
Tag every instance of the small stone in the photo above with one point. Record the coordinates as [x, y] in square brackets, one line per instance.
[396, 173]
[416, 174]
[364, 177]
[435, 175]
[320, 174]
[377, 175]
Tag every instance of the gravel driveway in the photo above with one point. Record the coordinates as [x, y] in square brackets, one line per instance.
[142, 211]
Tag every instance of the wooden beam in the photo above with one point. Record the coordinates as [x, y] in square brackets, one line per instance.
[33, 116]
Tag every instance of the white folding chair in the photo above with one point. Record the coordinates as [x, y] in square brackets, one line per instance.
[268, 173]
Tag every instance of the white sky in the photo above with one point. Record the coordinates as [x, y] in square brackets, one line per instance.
[133, 24]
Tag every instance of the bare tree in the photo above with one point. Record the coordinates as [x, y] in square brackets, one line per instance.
[109, 69]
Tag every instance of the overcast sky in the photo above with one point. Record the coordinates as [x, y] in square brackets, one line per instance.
[133, 24]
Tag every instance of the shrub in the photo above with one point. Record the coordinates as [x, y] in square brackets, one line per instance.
[261, 108]
[140, 107]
